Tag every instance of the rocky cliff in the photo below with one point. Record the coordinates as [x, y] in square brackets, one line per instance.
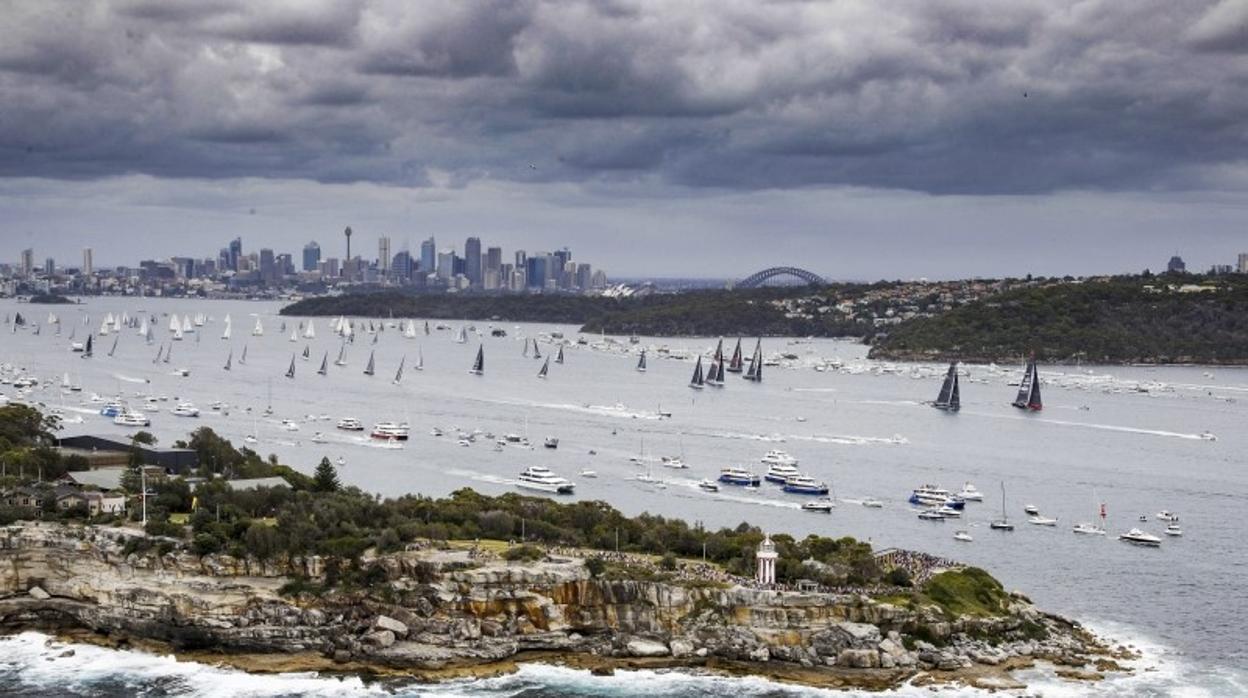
[436, 612]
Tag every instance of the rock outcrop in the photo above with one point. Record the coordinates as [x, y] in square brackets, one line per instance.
[458, 615]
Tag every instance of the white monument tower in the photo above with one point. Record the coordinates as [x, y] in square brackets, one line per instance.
[766, 556]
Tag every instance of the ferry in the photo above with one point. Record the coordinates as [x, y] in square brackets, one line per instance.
[778, 457]
[132, 419]
[804, 484]
[185, 409]
[543, 480]
[738, 476]
[781, 473]
[350, 424]
[932, 495]
[389, 430]
[112, 409]
[821, 506]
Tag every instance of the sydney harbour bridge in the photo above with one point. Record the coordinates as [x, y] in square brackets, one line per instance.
[759, 278]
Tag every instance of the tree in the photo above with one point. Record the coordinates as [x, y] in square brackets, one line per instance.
[596, 566]
[144, 437]
[326, 477]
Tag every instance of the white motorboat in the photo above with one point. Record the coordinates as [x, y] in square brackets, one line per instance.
[551, 442]
[319, 438]
[778, 456]
[949, 512]
[350, 424]
[1001, 525]
[1174, 530]
[543, 480]
[708, 486]
[290, 425]
[1137, 537]
[341, 461]
[1031, 509]
[962, 536]
[822, 505]
[781, 472]
[673, 462]
[1088, 529]
[1038, 520]
[586, 472]
[970, 494]
[464, 442]
[931, 515]
[185, 409]
[872, 503]
[132, 419]
[1164, 515]
[1208, 436]
[390, 430]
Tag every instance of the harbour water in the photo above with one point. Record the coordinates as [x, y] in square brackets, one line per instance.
[1136, 439]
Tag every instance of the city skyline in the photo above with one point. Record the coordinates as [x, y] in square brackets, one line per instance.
[859, 139]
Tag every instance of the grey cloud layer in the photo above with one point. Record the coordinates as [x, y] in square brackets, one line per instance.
[942, 96]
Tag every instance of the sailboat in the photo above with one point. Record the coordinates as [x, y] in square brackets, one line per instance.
[309, 332]
[715, 376]
[294, 334]
[537, 353]
[186, 324]
[755, 371]
[342, 356]
[177, 334]
[525, 350]
[1002, 524]
[736, 364]
[258, 330]
[478, 366]
[1028, 397]
[243, 359]
[290, 372]
[368, 370]
[398, 376]
[324, 369]
[462, 337]
[545, 368]
[420, 359]
[641, 362]
[86, 353]
[559, 356]
[307, 352]
[697, 381]
[159, 350]
[229, 360]
[113, 349]
[409, 330]
[950, 398]
[426, 328]
[173, 324]
[168, 353]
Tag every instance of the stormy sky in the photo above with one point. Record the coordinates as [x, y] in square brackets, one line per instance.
[857, 138]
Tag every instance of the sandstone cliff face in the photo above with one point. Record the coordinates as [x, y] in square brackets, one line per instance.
[52, 574]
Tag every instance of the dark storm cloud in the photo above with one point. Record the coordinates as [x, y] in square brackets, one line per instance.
[944, 96]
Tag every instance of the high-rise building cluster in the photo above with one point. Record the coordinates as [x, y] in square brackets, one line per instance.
[478, 268]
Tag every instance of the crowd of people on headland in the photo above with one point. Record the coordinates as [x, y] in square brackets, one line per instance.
[920, 566]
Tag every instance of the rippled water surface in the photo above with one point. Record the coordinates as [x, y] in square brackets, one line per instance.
[1133, 438]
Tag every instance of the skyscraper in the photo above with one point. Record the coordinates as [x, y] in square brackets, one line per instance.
[522, 260]
[1243, 262]
[1176, 265]
[347, 232]
[429, 256]
[28, 262]
[88, 264]
[494, 259]
[268, 266]
[383, 255]
[236, 252]
[472, 260]
[311, 256]
[49, 266]
[446, 264]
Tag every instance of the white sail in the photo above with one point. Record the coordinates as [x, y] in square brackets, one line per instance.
[258, 330]
[294, 334]
[105, 328]
[225, 334]
[409, 331]
[309, 332]
[186, 324]
[177, 334]
[173, 323]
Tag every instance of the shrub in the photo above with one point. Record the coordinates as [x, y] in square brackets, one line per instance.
[523, 553]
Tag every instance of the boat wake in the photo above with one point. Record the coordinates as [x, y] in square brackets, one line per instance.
[130, 379]
[617, 410]
[850, 440]
[770, 438]
[1102, 427]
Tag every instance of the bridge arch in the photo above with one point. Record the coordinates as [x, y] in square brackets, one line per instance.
[757, 278]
